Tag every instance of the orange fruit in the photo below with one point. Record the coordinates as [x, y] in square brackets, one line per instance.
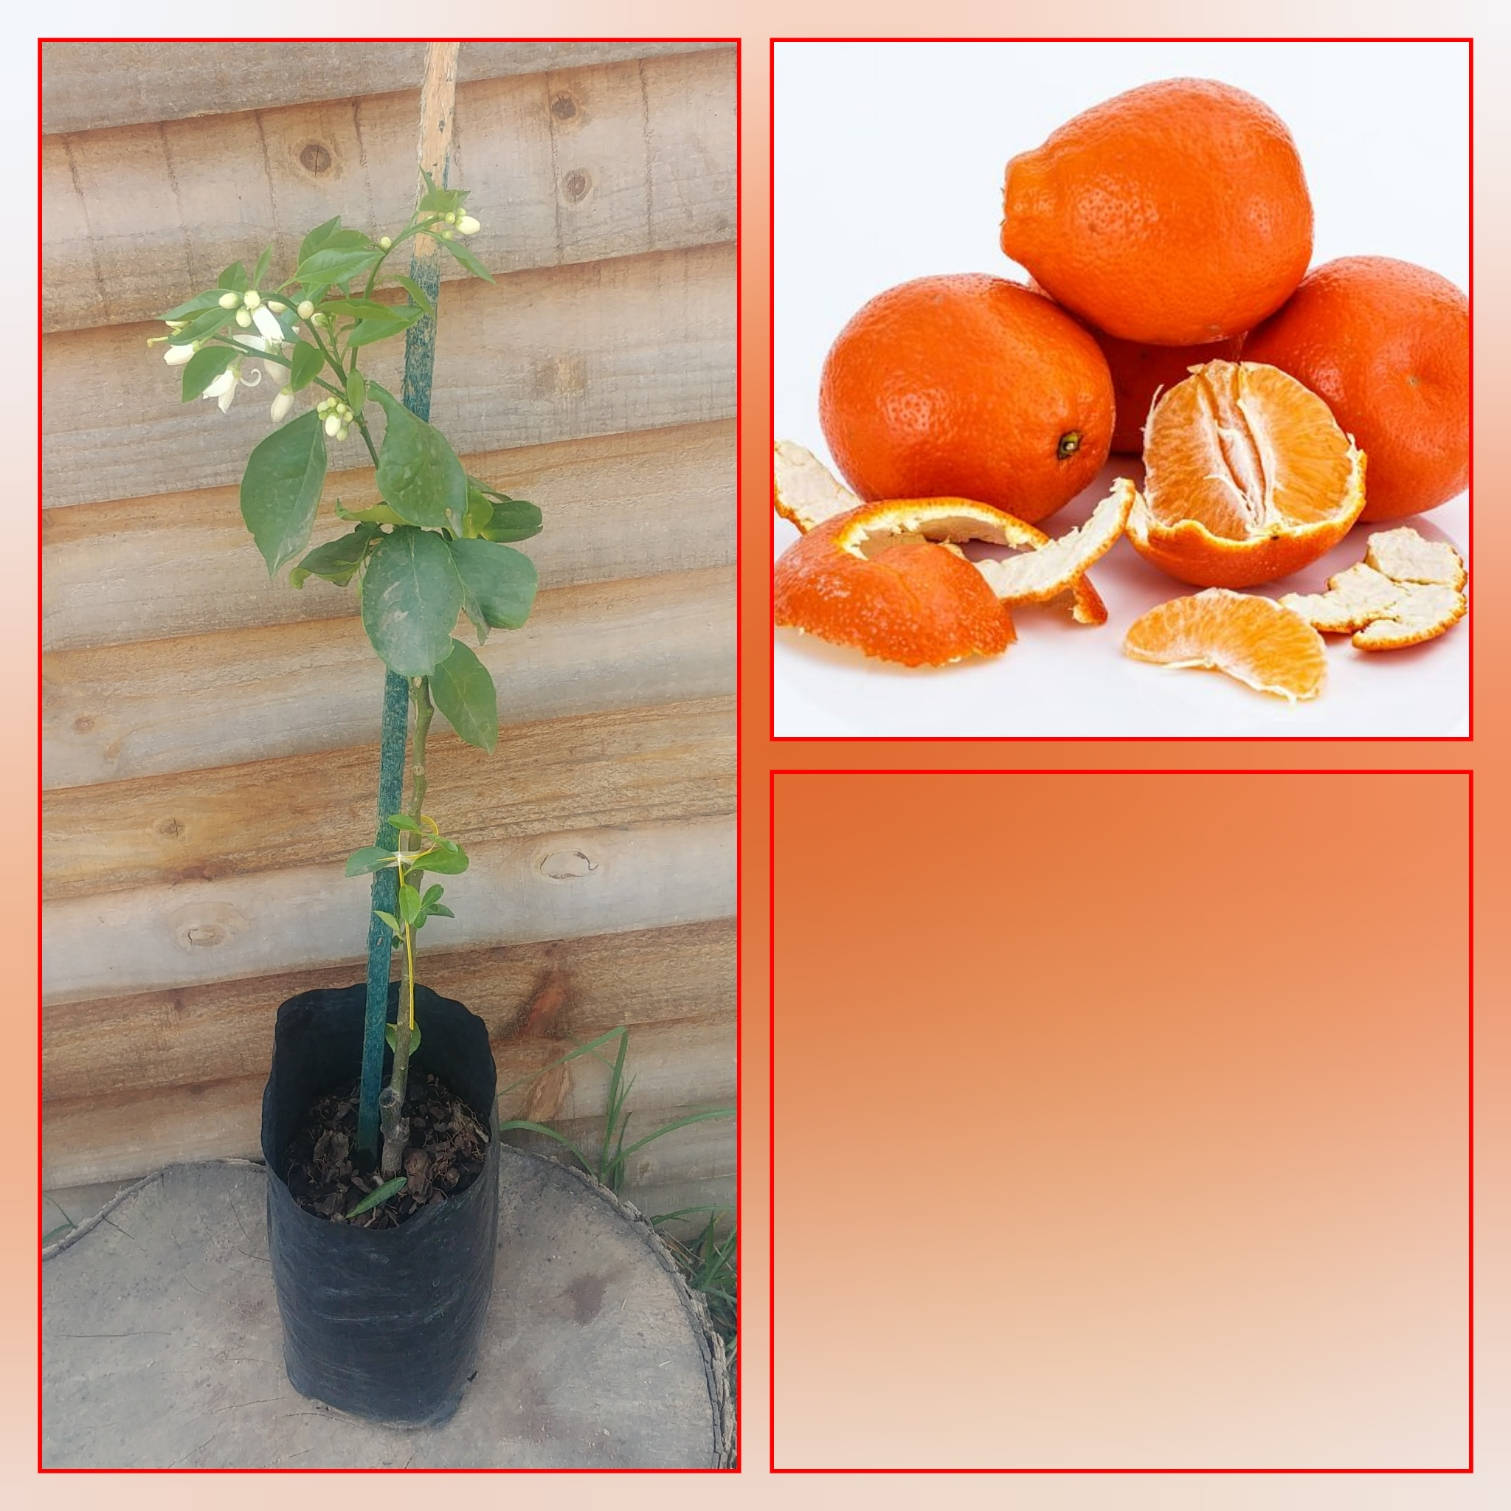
[1174, 214]
[1254, 640]
[1246, 478]
[1386, 343]
[896, 596]
[967, 386]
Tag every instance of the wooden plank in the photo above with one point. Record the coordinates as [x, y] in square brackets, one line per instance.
[615, 506]
[547, 886]
[537, 1000]
[565, 167]
[642, 765]
[201, 701]
[99, 1138]
[637, 343]
[86, 85]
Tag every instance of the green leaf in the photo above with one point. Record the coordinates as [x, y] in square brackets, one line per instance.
[317, 238]
[210, 323]
[391, 1033]
[499, 582]
[411, 595]
[280, 489]
[379, 514]
[467, 260]
[498, 517]
[381, 1195]
[337, 560]
[261, 271]
[304, 365]
[356, 390]
[446, 857]
[392, 922]
[369, 858]
[416, 293]
[436, 201]
[210, 299]
[359, 309]
[418, 472]
[404, 822]
[380, 327]
[333, 265]
[463, 691]
[409, 904]
[204, 367]
[433, 895]
[233, 279]
[440, 910]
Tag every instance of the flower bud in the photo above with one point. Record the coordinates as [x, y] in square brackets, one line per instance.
[446, 233]
[243, 318]
[306, 309]
[385, 242]
[341, 434]
[344, 410]
[229, 301]
[332, 424]
[451, 217]
[251, 299]
[277, 306]
[469, 225]
[176, 356]
[283, 402]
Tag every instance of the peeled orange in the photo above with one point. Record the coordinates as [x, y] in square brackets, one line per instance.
[1247, 478]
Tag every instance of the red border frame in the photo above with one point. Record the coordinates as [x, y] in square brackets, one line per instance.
[777, 739]
[738, 45]
[772, 1466]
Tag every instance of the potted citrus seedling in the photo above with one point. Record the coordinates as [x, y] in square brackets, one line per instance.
[379, 1125]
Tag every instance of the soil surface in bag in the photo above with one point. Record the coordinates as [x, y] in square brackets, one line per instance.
[445, 1154]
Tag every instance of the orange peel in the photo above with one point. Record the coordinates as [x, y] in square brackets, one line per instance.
[1254, 640]
[806, 494]
[1406, 556]
[804, 491]
[1247, 478]
[1380, 613]
[900, 599]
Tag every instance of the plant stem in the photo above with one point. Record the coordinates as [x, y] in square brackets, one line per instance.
[391, 1101]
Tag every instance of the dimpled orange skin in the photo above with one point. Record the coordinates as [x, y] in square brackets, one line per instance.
[967, 386]
[1386, 344]
[1175, 214]
[908, 601]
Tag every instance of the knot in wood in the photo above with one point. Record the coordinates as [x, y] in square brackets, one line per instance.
[563, 107]
[576, 185]
[567, 865]
[316, 157]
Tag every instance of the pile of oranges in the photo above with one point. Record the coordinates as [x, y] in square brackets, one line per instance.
[1170, 314]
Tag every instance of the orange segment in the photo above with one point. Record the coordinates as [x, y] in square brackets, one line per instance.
[1247, 478]
[900, 598]
[1255, 640]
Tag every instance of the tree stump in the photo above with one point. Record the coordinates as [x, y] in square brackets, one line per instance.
[162, 1347]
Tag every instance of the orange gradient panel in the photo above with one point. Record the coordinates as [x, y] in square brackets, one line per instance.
[1121, 1121]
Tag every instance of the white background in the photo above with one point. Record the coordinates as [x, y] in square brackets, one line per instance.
[889, 160]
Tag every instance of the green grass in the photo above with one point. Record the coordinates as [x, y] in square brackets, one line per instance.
[709, 1258]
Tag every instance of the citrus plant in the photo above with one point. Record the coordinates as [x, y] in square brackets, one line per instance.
[436, 546]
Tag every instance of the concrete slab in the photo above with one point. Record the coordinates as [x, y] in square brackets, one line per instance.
[162, 1346]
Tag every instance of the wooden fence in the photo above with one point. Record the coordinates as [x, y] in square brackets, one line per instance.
[210, 737]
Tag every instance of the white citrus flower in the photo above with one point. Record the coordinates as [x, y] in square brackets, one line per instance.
[283, 401]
